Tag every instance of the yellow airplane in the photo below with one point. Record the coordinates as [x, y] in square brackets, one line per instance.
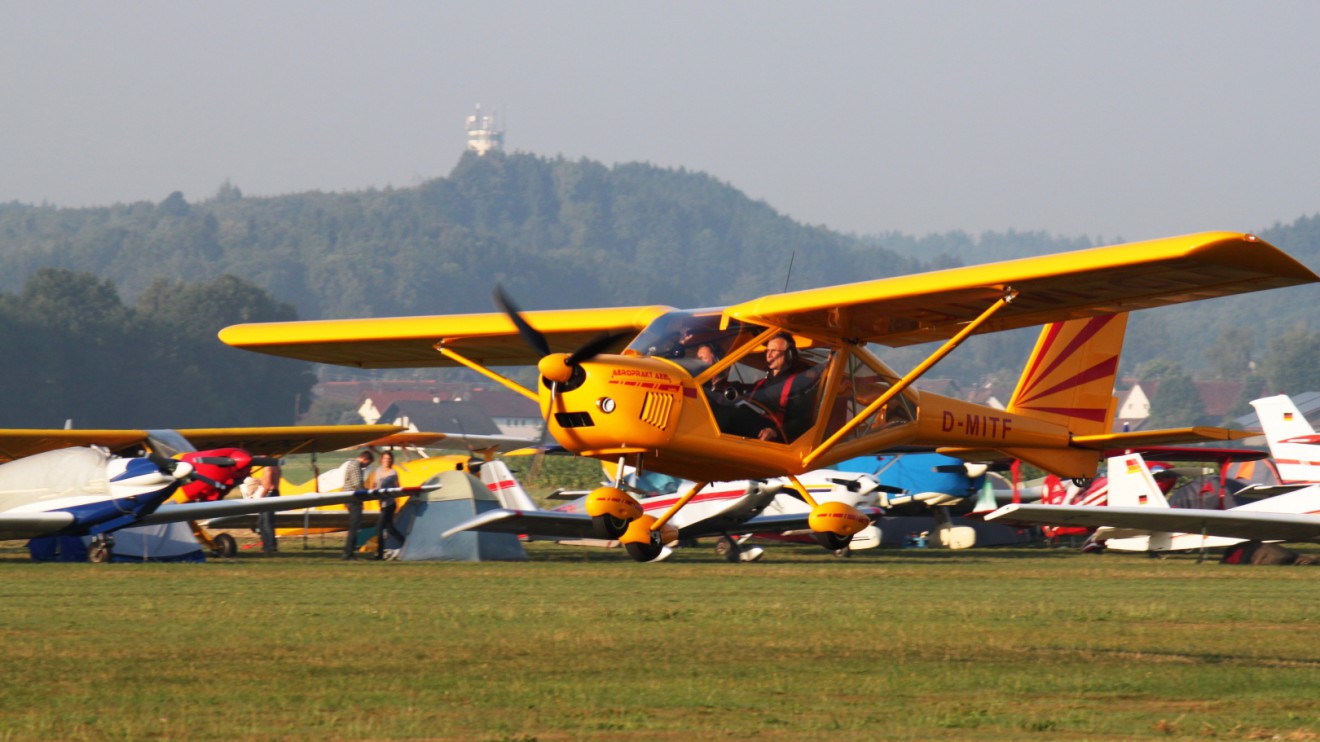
[787, 383]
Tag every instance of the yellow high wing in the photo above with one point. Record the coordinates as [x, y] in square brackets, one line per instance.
[288, 440]
[408, 342]
[898, 311]
[20, 442]
[925, 307]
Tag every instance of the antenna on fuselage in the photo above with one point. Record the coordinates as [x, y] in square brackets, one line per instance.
[790, 269]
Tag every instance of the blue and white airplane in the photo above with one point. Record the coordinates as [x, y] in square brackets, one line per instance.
[89, 492]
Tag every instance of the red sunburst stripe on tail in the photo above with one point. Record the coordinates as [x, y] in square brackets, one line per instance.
[1082, 413]
[1051, 335]
[1095, 325]
[1100, 370]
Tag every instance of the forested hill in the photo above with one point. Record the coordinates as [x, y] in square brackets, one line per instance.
[561, 233]
[556, 233]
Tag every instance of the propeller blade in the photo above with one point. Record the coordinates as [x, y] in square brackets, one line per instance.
[530, 334]
[593, 347]
[267, 461]
[214, 460]
[207, 480]
[164, 463]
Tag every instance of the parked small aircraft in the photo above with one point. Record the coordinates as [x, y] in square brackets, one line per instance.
[1294, 444]
[729, 510]
[212, 473]
[1138, 518]
[785, 384]
[89, 492]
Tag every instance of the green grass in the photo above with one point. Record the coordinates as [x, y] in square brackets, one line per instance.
[585, 644]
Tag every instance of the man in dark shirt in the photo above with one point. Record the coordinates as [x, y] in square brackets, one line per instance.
[777, 397]
[354, 480]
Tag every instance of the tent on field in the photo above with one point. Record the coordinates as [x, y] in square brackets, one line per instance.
[429, 514]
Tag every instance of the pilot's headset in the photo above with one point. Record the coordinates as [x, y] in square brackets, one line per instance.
[790, 352]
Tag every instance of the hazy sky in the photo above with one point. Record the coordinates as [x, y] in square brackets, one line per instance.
[1114, 119]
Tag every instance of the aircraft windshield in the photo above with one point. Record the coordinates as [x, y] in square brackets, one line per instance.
[692, 339]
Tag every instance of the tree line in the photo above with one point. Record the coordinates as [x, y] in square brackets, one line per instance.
[79, 354]
[568, 233]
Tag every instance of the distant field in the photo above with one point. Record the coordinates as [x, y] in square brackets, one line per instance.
[584, 644]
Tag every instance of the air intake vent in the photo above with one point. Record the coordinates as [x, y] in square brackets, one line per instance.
[656, 409]
[573, 419]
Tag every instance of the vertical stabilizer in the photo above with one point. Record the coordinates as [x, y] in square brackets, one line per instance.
[1131, 484]
[1069, 378]
[1069, 381]
[497, 477]
[1293, 442]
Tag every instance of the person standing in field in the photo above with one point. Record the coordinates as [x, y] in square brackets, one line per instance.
[354, 480]
[270, 487]
[386, 477]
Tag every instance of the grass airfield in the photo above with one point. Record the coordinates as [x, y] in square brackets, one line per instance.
[1003, 644]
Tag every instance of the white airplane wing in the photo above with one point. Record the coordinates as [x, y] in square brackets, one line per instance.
[1255, 525]
[31, 525]
[552, 524]
[334, 520]
[174, 512]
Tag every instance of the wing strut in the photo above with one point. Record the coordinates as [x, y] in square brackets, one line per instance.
[801, 490]
[911, 376]
[662, 520]
[501, 380]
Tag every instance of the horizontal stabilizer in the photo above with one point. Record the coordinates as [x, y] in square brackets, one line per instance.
[1165, 437]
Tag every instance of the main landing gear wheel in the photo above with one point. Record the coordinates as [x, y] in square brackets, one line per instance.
[99, 552]
[223, 546]
[729, 548]
[832, 541]
[608, 527]
[844, 553]
[645, 551]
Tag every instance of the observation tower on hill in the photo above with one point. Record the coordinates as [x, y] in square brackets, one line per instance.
[484, 133]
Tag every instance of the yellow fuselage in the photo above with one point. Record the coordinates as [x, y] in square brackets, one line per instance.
[629, 405]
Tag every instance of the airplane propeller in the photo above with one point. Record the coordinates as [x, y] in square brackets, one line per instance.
[556, 368]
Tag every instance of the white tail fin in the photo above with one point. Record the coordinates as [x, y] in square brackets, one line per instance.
[1293, 442]
[1131, 484]
[496, 475]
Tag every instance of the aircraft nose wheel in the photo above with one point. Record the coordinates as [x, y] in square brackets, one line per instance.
[645, 551]
[223, 546]
[832, 541]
